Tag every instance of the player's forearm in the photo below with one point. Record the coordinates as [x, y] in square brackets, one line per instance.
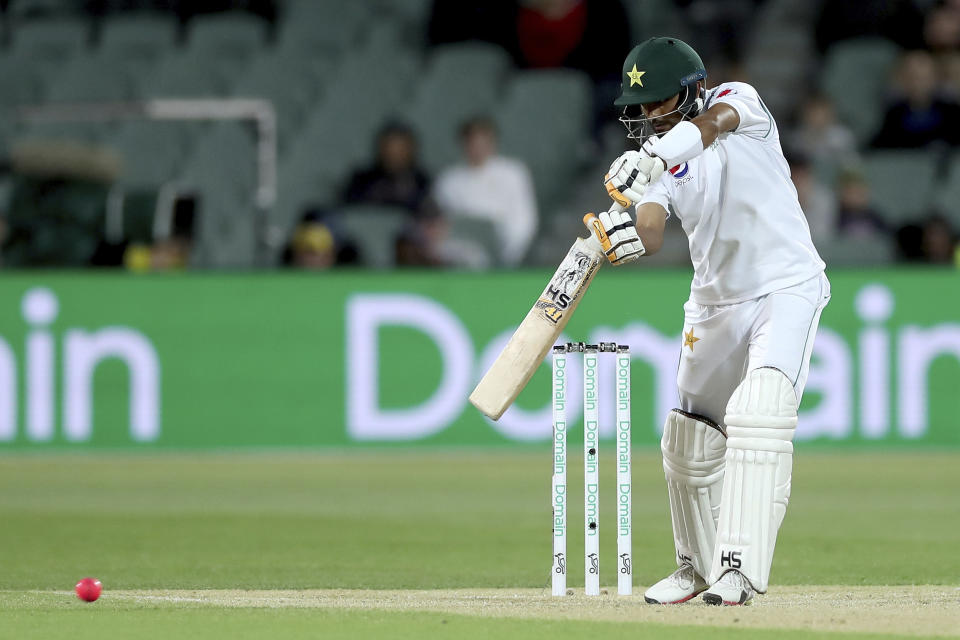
[689, 138]
[651, 220]
[718, 119]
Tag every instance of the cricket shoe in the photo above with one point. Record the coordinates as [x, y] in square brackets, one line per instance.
[680, 586]
[731, 589]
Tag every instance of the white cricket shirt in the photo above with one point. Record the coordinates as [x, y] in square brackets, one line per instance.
[747, 233]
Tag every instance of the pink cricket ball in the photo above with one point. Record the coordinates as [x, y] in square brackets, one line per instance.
[89, 589]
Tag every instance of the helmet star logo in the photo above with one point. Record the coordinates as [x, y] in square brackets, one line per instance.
[635, 76]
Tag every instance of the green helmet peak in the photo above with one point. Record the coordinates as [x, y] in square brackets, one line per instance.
[657, 69]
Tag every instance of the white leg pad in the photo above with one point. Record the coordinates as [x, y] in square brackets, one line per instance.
[693, 450]
[761, 420]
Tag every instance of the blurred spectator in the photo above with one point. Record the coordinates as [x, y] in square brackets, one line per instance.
[491, 187]
[821, 137]
[920, 115]
[3, 235]
[950, 72]
[816, 200]
[856, 215]
[941, 29]
[395, 178]
[934, 241]
[590, 35]
[416, 246]
[316, 245]
[939, 241]
[169, 252]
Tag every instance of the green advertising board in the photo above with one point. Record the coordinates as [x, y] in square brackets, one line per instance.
[99, 360]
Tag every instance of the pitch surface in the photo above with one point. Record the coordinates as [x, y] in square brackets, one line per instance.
[446, 544]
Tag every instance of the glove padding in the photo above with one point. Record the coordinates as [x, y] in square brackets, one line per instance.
[617, 234]
[629, 176]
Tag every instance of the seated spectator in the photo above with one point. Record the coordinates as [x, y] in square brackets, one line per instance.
[169, 249]
[395, 178]
[492, 187]
[590, 35]
[816, 200]
[941, 28]
[939, 241]
[933, 241]
[950, 72]
[315, 244]
[821, 137]
[921, 115]
[856, 216]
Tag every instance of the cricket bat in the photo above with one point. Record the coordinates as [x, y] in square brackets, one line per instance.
[528, 346]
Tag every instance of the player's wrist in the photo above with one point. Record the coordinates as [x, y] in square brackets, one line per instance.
[681, 144]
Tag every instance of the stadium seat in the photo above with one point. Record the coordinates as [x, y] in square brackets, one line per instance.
[21, 82]
[226, 232]
[90, 79]
[62, 131]
[50, 40]
[223, 168]
[560, 99]
[545, 111]
[446, 97]
[225, 160]
[377, 250]
[480, 60]
[143, 37]
[650, 18]
[415, 13]
[236, 36]
[854, 75]
[151, 152]
[479, 232]
[338, 134]
[186, 75]
[322, 30]
[32, 8]
[948, 194]
[289, 88]
[854, 251]
[297, 190]
[901, 183]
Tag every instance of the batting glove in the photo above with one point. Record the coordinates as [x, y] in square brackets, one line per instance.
[617, 234]
[629, 176]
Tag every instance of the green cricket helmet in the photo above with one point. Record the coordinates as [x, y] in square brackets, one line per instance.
[654, 71]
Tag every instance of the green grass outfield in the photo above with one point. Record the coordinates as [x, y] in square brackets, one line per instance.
[200, 546]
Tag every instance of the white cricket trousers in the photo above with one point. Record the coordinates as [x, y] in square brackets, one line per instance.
[722, 343]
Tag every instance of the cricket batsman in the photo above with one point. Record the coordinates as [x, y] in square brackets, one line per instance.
[712, 159]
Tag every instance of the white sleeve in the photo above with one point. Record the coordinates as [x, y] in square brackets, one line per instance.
[658, 192]
[442, 193]
[755, 119]
[523, 219]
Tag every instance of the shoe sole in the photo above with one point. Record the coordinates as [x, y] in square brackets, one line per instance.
[714, 599]
[681, 601]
